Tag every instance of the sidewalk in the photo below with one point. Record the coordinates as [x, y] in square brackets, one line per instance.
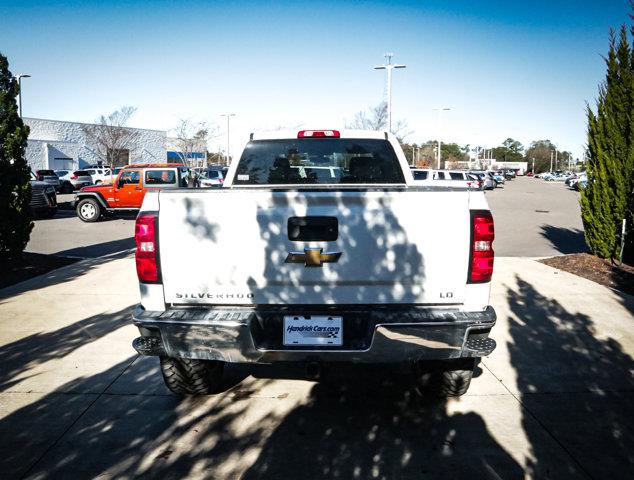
[554, 399]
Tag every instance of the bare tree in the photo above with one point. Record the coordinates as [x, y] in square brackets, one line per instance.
[376, 119]
[192, 137]
[110, 135]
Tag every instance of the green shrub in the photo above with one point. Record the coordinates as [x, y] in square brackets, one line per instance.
[15, 189]
[607, 199]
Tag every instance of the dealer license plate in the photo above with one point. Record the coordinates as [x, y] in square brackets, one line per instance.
[314, 330]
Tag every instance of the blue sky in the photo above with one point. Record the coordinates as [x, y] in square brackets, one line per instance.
[522, 71]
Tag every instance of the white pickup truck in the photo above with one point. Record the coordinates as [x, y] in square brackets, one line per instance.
[320, 248]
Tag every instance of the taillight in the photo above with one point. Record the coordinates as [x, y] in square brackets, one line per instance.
[221, 180]
[482, 235]
[145, 231]
[73, 177]
[318, 133]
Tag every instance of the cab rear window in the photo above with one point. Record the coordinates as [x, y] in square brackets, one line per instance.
[317, 161]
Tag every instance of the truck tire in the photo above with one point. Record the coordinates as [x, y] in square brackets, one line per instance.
[88, 210]
[446, 379]
[185, 376]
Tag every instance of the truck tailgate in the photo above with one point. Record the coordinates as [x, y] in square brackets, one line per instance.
[231, 246]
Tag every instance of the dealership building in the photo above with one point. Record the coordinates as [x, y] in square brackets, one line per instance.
[60, 145]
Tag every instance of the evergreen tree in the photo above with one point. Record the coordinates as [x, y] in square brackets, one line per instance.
[15, 189]
[607, 199]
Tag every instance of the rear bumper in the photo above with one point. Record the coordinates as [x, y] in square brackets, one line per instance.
[373, 335]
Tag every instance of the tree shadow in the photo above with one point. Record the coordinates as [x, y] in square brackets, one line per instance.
[565, 240]
[368, 423]
[18, 358]
[59, 275]
[576, 379]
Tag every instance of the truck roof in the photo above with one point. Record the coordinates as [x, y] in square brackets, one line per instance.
[345, 133]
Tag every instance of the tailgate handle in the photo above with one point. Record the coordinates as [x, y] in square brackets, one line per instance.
[313, 229]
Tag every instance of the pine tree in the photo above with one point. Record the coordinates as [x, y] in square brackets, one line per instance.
[15, 189]
[606, 201]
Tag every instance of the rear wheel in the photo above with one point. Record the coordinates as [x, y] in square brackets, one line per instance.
[445, 379]
[88, 210]
[186, 376]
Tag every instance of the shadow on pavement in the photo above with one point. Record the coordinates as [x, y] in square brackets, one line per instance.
[60, 275]
[565, 240]
[368, 426]
[99, 249]
[578, 382]
[19, 357]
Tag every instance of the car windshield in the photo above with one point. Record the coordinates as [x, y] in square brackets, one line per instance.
[314, 161]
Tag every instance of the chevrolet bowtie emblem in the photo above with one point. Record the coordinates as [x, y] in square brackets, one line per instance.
[313, 257]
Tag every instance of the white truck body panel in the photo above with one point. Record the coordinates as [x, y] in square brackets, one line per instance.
[398, 246]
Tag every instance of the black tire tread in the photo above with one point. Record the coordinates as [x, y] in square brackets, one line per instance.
[186, 376]
[450, 379]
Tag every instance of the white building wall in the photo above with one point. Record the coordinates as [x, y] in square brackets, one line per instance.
[52, 142]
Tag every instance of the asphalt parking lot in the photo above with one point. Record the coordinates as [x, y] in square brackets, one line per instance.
[533, 218]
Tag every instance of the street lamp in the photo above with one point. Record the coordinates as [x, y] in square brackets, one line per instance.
[20, 77]
[228, 115]
[439, 110]
[389, 67]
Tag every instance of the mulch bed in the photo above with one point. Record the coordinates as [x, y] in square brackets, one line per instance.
[619, 277]
[29, 265]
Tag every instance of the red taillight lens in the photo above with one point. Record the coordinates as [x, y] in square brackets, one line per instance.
[145, 231]
[318, 133]
[483, 233]
[73, 177]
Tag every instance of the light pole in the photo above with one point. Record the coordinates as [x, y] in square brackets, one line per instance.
[389, 67]
[439, 110]
[20, 77]
[228, 115]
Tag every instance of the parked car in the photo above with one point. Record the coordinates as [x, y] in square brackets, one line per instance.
[210, 177]
[65, 185]
[508, 174]
[48, 176]
[497, 178]
[100, 175]
[469, 179]
[529, 174]
[422, 173]
[80, 179]
[322, 269]
[487, 180]
[43, 198]
[126, 193]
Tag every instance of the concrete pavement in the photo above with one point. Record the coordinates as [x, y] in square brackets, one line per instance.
[553, 401]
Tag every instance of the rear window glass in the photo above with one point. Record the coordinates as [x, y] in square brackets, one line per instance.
[46, 172]
[456, 176]
[212, 174]
[315, 161]
[81, 173]
[160, 177]
[420, 175]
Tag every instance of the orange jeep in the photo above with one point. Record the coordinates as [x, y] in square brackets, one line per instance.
[127, 190]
